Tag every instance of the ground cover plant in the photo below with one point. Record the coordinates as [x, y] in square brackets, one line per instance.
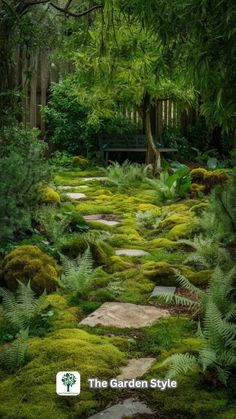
[117, 207]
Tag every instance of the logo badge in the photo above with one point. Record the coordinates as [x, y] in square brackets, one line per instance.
[68, 383]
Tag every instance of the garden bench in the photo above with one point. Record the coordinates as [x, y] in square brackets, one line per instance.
[130, 144]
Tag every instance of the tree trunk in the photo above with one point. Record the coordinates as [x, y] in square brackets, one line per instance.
[6, 69]
[153, 155]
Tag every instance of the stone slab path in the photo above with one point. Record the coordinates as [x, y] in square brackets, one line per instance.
[124, 315]
[87, 179]
[163, 290]
[128, 408]
[76, 195]
[101, 219]
[131, 252]
[136, 368]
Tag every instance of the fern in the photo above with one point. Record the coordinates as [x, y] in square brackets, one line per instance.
[20, 309]
[78, 274]
[207, 252]
[128, 175]
[216, 331]
[14, 356]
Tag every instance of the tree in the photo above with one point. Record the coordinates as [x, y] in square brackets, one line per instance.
[68, 380]
[13, 23]
[204, 36]
[121, 64]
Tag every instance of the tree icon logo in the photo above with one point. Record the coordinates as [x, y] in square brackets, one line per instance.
[68, 383]
[68, 380]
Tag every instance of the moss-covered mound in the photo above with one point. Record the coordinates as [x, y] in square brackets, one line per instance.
[29, 263]
[32, 393]
[48, 195]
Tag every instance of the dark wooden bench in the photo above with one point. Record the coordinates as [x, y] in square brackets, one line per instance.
[134, 144]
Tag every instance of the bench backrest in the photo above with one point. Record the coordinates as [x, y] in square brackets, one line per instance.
[132, 141]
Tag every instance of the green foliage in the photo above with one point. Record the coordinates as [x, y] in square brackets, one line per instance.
[149, 219]
[21, 308]
[28, 263]
[15, 355]
[70, 128]
[171, 187]
[217, 329]
[77, 274]
[219, 219]
[207, 253]
[22, 167]
[61, 159]
[127, 176]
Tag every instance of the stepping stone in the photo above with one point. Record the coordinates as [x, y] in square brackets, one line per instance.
[124, 315]
[99, 218]
[76, 195]
[136, 368]
[65, 188]
[127, 408]
[94, 178]
[163, 290]
[131, 252]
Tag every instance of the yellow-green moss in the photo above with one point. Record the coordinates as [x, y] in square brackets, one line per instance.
[119, 264]
[48, 195]
[157, 269]
[175, 219]
[162, 242]
[100, 250]
[29, 263]
[149, 207]
[181, 231]
[32, 393]
[209, 178]
[65, 315]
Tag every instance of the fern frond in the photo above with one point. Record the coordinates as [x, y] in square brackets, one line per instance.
[14, 356]
[180, 364]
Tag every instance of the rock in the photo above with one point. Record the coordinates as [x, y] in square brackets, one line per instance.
[136, 368]
[76, 195]
[101, 219]
[128, 408]
[163, 290]
[131, 252]
[124, 315]
[65, 187]
[94, 178]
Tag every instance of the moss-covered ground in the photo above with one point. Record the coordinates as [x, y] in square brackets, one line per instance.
[101, 352]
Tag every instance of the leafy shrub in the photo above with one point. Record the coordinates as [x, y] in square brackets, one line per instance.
[29, 263]
[81, 162]
[127, 175]
[22, 167]
[61, 159]
[149, 219]
[217, 330]
[171, 187]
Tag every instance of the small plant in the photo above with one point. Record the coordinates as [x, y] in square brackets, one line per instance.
[207, 252]
[78, 274]
[171, 187]
[149, 219]
[128, 175]
[14, 356]
[21, 308]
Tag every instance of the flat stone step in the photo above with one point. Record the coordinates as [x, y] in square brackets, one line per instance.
[163, 290]
[99, 178]
[136, 368]
[76, 196]
[124, 315]
[127, 408]
[100, 219]
[65, 187]
[131, 252]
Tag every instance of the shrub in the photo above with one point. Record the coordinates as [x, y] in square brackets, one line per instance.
[29, 263]
[22, 167]
[48, 195]
[81, 162]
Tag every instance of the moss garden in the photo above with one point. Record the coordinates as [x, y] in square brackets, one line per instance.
[117, 209]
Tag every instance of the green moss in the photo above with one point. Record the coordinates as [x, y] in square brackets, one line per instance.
[81, 162]
[120, 264]
[29, 263]
[200, 278]
[162, 242]
[77, 245]
[209, 178]
[176, 219]
[65, 315]
[181, 231]
[48, 195]
[32, 392]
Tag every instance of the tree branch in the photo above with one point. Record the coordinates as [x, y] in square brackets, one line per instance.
[67, 13]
